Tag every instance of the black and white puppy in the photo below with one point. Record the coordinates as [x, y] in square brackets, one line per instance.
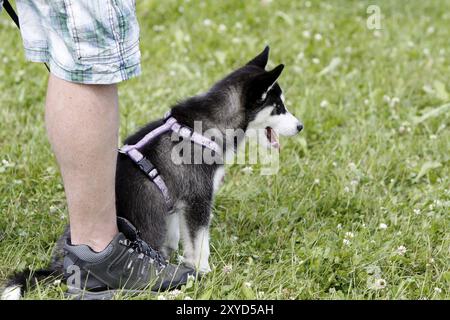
[248, 98]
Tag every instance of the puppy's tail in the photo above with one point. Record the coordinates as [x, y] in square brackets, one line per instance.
[20, 282]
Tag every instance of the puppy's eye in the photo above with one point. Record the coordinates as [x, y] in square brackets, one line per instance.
[278, 109]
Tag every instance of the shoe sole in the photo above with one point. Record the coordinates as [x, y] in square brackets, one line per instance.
[79, 294]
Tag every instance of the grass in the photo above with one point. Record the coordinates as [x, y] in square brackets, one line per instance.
[375, 149]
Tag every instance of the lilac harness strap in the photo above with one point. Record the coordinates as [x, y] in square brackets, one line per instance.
[147, 167]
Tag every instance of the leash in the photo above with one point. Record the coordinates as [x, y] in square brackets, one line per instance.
[13, 15]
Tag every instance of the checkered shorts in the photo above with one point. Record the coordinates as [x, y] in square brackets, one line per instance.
[85, 41]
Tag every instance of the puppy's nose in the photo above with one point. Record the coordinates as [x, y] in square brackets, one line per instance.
[299, 127]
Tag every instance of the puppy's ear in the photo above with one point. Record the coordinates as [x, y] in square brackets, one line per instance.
[261, 59]
[263, 82]
[272, 76]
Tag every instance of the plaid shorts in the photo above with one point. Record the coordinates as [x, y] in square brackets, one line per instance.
[85, 41]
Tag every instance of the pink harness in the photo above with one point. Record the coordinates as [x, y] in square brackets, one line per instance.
[170, 124]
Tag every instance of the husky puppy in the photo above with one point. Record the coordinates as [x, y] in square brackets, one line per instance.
[247, 98]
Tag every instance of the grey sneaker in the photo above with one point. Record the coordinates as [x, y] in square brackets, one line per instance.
[127, 265]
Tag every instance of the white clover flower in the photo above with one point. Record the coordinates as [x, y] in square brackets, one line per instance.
[222, 28]
[316, 181]
[416, 211]
[366, 102]
[318, 37]
[354, 182]
[346, 189]
[379, 284]
[161, 297]
[238, 25]
[401, 250]
[158, 28]
[394, 101]
[227, 268]
[174, 293]
[352, 166]
[324, 104]
[207, 22]
[57, 282]
[437, 290]
[383, 226]
[346, 242]
[316, 60]
[247, 170]
[349, 235]
[248, 284]
[306, 34]
[437, 203]
[297, 69]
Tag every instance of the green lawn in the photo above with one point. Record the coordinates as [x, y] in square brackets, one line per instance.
[367, 179]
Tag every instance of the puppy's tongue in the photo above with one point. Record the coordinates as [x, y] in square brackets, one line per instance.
[273, 138]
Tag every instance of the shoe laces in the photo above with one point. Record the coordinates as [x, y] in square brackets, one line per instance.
[141, 247]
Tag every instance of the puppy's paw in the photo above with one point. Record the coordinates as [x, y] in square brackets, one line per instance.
[202, 268]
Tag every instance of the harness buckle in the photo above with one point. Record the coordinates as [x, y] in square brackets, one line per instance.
[145, 165]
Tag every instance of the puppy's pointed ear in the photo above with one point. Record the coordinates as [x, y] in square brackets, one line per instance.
[268, 79]
[263, 82]
[261, 59]
[273, 75]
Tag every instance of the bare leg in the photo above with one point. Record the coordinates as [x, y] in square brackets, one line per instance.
[82, 124]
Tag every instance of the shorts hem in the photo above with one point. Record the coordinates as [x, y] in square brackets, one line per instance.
[84, 76]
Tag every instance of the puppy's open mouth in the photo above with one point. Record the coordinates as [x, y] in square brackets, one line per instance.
[272, 137]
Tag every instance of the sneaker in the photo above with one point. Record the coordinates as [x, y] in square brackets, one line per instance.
[127, 265]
